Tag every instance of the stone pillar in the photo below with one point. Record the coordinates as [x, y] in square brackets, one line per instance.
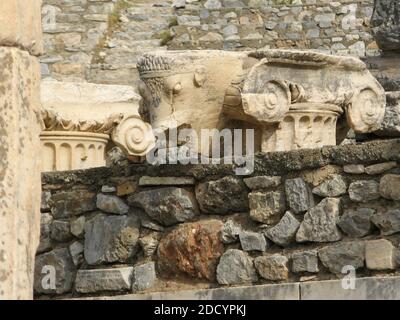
[20, 44]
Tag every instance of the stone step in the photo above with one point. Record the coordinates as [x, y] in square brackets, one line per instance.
[372, 288]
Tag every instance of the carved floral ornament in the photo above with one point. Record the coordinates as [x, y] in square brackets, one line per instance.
[129, 132]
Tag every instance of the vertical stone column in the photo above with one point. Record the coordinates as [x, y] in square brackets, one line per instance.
[20, 44]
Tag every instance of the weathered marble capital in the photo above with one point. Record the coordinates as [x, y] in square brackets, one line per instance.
[293, 99]
[80, 119]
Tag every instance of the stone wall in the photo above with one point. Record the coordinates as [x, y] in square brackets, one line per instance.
[337, 27]
[301, 216]
[72, 30]
[100, 41]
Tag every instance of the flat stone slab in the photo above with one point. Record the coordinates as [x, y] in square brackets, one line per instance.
[165, 181]
[288, 291]
[97, 280]
[385, 288]
[374, 288]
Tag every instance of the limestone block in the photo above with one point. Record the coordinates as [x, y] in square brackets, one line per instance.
[343, 254]
[388, 221]
[102, 280]
[222, 196]
[267, 207]
[364, 191]
[21, 25]
[299, 195]
[252, 241]
[319, 224]
[274, 267]
[111, 239]
[380, 255]
[144, 277]
[356, 223]
[262, 182]
[19, 167]
[167, 206]
[111, 204]
[389, 186]
[236, 267]
[284, 232]
[306, 261]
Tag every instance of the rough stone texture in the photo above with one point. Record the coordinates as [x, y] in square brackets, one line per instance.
[19, 161]
[356, 223]
[21, 25]
[78, 227]
[126, 188]
[354, 168]
[167, 206]
[319, 224]
[222, 196]
[58, 260]
[391, 123]
[111, 204]
[388, 221]
[45, 228]
[192, 249]
[100, 280]
[364, 191]
[273, 267]
[60, 231]
[144, 277]
[230, 231]
[165, 181]
[236, 267]
[252, 241]
[299, 195]
[64, 204]
[380, 255]
[389, 187]
[45, 203]
[267, 207]
[149, 244]
[306, 261]
[334, 187]
[262, 182]
[76, 251]
[344, 254]
[284, 233]
[111, 239]
[380, 167]
[385, 21]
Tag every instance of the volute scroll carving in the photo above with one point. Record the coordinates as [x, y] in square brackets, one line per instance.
[366, 110]
[292, 99]
[134, 136]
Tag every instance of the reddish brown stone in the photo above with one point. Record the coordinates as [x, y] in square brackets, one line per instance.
[192, 249]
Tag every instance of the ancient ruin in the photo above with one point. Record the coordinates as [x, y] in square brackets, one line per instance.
[79, 121]
[20, 46]
[292, 99]
[317, 82]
